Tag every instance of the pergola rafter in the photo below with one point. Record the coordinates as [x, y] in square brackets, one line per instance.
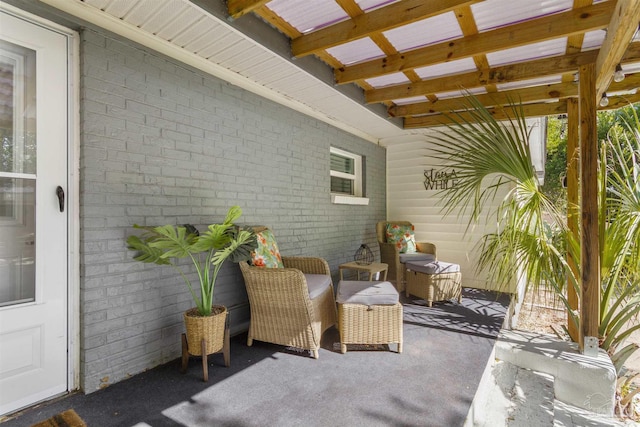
[580, 20]
[385, 18]
[525, 95]
[504, 74]
[502, 113]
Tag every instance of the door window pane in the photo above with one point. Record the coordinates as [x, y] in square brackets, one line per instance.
[17, 173]
[17, 109]
[17, 242]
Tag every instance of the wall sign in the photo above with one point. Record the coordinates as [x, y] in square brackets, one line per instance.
[439, 179]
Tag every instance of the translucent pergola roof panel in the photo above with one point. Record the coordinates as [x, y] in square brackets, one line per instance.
[307, 16]
[528, 52]
[446, 68]
[490, 14]
[369, 5]
[389, 79]
[428, 31]
[411, 100]
[631, 68]
[531, 82]
[460, 93]
[593, 39]
[356, 51]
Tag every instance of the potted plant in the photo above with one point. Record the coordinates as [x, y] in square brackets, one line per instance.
[167, 244]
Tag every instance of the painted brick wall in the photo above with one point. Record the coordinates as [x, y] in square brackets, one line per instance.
[162, 143]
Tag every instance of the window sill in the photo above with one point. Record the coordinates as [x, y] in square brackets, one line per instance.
[339, 199]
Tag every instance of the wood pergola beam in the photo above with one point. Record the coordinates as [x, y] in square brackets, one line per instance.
[575, 21]
[620, 31]
[238, 8]
[499, 113]
[524, 95]
[503, 74]
[505, 112]
[383, 19]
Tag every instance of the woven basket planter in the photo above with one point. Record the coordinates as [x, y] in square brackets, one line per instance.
[211, 328]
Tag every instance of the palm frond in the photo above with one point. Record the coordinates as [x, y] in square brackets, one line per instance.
[495, 177]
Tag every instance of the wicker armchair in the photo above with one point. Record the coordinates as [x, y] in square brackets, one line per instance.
[390, 254]
[290, 306]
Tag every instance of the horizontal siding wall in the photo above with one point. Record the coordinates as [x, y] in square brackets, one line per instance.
[408, 200]
[165, 144]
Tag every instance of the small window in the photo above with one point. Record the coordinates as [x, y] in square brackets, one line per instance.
[346, 177]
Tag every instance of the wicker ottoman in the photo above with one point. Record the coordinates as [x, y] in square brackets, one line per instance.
[368, 313]
[434, 281]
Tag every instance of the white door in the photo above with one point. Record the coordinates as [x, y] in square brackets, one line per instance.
[33, 229]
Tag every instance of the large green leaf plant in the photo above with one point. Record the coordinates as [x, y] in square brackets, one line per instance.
[167, 244]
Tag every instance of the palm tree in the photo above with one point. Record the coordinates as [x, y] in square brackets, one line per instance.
[619, 187]
[493, 161]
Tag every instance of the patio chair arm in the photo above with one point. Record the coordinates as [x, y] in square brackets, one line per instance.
[426, 248]
[308, 265]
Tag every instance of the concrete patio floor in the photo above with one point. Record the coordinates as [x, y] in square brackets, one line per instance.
[448, 375]
[432, 383]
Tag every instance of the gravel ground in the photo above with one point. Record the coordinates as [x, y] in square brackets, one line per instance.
[542, 312]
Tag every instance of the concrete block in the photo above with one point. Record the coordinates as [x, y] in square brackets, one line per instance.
[586, 382]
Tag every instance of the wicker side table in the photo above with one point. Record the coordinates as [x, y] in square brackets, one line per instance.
[369, 313]
[373, 268]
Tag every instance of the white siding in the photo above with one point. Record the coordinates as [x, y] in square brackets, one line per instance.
[407, 199]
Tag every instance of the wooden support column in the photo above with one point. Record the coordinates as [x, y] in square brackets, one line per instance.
[590, 250]
[573, 207]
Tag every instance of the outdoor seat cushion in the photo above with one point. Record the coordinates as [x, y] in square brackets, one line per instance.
[416, 256]
[435, 267]
[317, 284]
[366, 293]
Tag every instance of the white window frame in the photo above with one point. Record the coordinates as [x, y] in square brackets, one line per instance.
[356, 177]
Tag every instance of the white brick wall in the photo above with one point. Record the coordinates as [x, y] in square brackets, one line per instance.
[161, 143]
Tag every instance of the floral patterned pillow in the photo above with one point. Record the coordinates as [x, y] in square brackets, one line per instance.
[267, 253]
[402, 236]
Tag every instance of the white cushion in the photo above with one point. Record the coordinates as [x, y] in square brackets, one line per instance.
[317, 284]
[416, 256]
[366, 293]
[435, 267]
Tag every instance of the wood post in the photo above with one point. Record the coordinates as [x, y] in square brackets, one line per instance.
[590, 248]
[573, 207]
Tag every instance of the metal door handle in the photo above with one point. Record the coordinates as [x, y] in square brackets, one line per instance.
[60, 194]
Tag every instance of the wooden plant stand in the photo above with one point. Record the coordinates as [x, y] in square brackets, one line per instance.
[205, 365]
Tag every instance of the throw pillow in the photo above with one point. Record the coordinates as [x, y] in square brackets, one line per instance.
[402, 236]
[267, 253]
